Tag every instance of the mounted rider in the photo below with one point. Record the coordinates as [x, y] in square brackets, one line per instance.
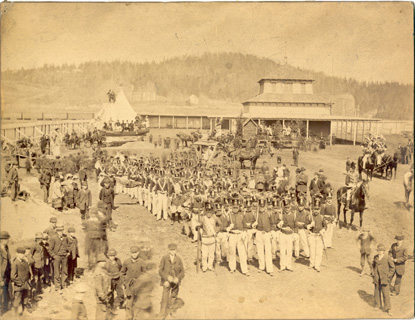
[352, 179]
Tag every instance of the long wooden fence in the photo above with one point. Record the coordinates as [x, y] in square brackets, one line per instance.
[12, 132]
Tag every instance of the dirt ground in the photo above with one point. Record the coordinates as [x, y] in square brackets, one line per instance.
[337, 291]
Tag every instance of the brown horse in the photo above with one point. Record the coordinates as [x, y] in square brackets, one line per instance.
[245, 154]
[357, 203]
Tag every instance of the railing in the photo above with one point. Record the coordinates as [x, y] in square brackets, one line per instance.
[12, 132]
[47, 116]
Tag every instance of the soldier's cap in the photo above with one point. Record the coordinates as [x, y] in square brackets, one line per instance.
[112, 252]
[101, 257]
[71, 229]
[38, 235]
[134, 249]
[321, 170]
[4, 235]
[172, 246]
[59, 227]
[381, 247]
[400, 237]
[21, 250]
[298, 170]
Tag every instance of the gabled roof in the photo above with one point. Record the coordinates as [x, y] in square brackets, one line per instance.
[248, 120]
[287, 98]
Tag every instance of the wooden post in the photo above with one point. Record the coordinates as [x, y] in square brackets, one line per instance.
[363, 131]
[308, 126]
[187, 122]
[201, 123]
[159, 121]
[355, 133]
[377, 127]
[173, 123]
[331, 133]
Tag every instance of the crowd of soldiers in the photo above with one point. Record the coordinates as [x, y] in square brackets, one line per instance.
[229, 211]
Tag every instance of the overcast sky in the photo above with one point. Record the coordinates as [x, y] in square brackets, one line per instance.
[366, 41]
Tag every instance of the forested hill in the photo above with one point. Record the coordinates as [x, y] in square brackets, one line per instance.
[224, 76]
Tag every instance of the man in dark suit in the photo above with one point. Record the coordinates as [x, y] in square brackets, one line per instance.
[399, 255]
[383, 269]
[171, 271]
[58, 248]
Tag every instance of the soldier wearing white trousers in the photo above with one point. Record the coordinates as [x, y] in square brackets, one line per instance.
[237, 239]
[317, 228]
[263, 225]
[303, 218]
[208, 225]
[328, 211]
[287, 225]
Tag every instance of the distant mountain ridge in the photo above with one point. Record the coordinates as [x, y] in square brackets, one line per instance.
[226, 77]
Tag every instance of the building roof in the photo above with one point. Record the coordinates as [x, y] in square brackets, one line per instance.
[287, 98]
[287, 78]
[274, 114]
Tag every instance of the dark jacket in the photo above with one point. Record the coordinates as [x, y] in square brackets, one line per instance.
[5, 264]
[167, 268]
[382, 269]
[58, 247]
[401, 255]
[20, 274]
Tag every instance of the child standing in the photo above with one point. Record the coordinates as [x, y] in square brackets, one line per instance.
[73, 254]
[364, 242]
[20, 277]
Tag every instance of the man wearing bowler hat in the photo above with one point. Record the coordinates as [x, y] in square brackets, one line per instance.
[399, 255]
[383, 269]
[171, 271]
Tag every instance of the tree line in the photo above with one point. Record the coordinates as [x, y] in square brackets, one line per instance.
[223, 76]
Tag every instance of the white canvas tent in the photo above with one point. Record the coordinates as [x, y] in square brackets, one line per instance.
[118, 111]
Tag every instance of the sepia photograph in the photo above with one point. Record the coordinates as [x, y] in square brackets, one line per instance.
[207, 160]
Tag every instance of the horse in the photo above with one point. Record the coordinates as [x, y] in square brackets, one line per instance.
[389, 165]
[370, 166]
[357, 203]
[185, 138]
[245, 154]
